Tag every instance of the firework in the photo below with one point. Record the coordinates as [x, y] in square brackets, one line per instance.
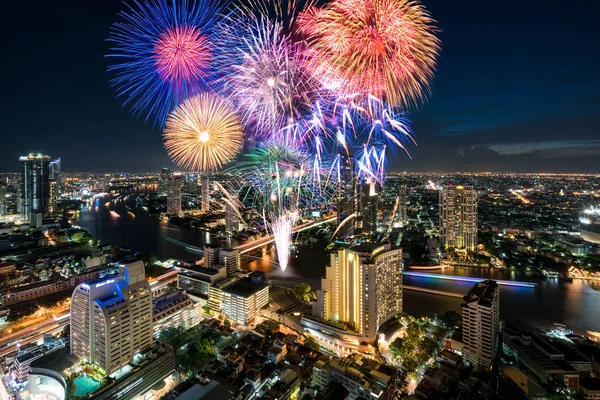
[267, 80]
[283, 12]
[282, 233]
[386, 48]
[163, 52]
[203, 133]
[363, 128]
[281, 177]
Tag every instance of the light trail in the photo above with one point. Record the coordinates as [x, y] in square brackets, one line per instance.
[433, 291]
[470, 279]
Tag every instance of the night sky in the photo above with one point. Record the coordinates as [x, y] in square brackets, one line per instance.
[517, 89]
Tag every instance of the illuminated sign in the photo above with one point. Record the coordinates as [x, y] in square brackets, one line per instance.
[105, 283]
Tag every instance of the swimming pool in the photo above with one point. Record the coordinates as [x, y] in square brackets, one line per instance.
[85, 385]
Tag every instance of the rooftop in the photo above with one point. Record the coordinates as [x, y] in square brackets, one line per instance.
[482, 293]
[245, 287]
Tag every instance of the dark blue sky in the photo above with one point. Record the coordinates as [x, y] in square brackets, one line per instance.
[517, 89]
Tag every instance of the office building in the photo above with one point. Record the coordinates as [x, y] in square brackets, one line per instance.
[55, 174]
[403, 205]
[243, 299]
[367, 210]
[35, 187]
[205, 192]
[211, 255]
[174, 185]
[458, 217]
[362, 288]
[165, 174]
[111, 319]
[481, 324]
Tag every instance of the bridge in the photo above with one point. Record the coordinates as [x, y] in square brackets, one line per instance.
[255, 244]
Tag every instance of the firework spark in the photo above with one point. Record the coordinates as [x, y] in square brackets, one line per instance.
[268, 83]
[386, 48]
[163, 51]
[283, 12]
[282, 233]
[203, 133]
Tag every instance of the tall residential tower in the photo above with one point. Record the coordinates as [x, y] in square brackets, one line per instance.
[458, 217]
[35, 186]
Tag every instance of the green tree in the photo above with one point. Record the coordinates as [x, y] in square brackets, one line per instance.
[227, 323]
[176, 336]
[303, 292]
[312, 343]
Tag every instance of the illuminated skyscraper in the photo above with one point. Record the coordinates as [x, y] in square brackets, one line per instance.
[111, 319]
[55, 175]
[589, 224]
[458, 217]
[346, 205]
[205, 192]
[163, 180]
[35, 187]
[481, 323]
[174, 186]
[403, 204]
[367, 209]
[362, 286]
[232, 219]
[53, 195]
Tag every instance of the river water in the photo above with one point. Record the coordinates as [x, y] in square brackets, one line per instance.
[575, 304]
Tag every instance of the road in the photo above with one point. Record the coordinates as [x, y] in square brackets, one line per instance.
[33, 333]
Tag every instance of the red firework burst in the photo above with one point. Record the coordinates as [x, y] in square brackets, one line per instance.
[182, 53]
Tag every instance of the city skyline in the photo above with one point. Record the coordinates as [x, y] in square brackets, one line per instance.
[503, 99]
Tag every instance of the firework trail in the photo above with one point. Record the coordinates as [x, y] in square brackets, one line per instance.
[203, 133]
[162, 53]
[386, 48]
[266, 78]
[282, 233]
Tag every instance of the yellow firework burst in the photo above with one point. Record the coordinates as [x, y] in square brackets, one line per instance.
[203, 133]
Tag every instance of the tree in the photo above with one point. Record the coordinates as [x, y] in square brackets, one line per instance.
[312, 343]
[227, 323]
[303, 292]
[176, 336]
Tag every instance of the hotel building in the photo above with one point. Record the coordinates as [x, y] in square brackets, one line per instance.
[362, 289]
[111, 319]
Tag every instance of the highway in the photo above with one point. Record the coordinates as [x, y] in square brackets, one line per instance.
[33, 333]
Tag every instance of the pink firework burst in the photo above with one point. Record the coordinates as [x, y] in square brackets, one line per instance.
[182, 54]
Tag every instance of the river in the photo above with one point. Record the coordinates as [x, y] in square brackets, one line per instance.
[575, 304]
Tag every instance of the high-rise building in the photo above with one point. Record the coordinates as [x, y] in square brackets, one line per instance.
[53, 195]
[232, 220]
[458, 217]
[481, 324]
[111, 319]
[2, 199]
[346, 204]
[165, 174]
[589, 224]
[205, 192]
[35, 187]
[362, 286]
[367, 210]
[403, 204]
[174, 185]
[55, 174]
